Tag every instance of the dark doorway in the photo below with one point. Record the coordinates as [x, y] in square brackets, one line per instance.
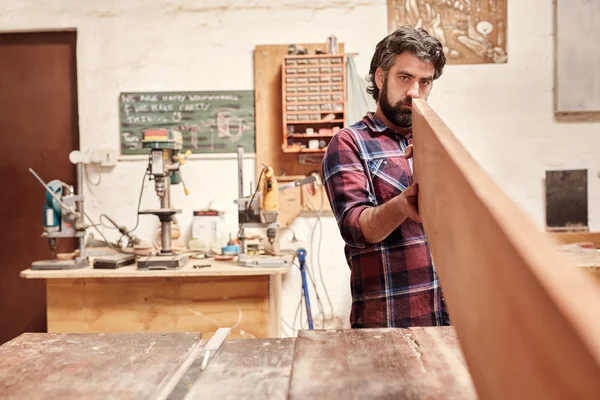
[39, 128]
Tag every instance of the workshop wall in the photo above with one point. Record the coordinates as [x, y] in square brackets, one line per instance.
[502, 113]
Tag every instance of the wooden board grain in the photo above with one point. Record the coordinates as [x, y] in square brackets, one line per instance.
[242, 369]
[91, 366]
[528, 322]
[160, 305]
[414, 363]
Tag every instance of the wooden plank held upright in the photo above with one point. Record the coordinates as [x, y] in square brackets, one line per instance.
[528, 322]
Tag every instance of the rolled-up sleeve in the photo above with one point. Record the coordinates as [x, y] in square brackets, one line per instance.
[347, 186]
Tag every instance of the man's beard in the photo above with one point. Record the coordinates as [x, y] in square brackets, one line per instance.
[395, 113]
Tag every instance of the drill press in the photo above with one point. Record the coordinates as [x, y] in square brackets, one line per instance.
[163, 168]
[261, 210]
[63, 218]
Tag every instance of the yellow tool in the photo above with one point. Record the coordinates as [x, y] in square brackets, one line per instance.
[270, 195]
[269, 202]
[261, 208]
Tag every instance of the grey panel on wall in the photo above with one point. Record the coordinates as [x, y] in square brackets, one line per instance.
[567, 199]
[577, 55]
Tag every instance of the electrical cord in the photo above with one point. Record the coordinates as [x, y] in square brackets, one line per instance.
[88, 178]
[115, 226]
[294, 239]
[311, 274]
[301, 311]
[109, 244]
[320, 224]
[293, 328]
[137, 221]
[319, 214]
[298, 308]
[319, 302]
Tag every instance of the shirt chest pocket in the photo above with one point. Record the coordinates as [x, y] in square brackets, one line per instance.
[390, 176]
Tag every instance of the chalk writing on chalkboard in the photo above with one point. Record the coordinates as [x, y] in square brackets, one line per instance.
[210, 122]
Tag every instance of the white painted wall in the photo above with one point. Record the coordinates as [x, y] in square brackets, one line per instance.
[502, 113]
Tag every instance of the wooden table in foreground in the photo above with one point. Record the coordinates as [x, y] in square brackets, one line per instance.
[91, 300]
[416, 363]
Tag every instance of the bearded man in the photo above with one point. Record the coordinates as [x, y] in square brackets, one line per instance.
[367, 174]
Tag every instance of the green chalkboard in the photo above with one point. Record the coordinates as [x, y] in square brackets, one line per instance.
[210, 122]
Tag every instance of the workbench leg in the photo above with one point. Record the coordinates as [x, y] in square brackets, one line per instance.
[275, 282]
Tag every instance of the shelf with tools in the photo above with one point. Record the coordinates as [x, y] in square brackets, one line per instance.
[289, 154]
[313, 101]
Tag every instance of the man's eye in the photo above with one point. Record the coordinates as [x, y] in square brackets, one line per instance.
[404, 78]
[426, 83]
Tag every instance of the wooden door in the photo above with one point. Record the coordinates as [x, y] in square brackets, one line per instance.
[39, 128]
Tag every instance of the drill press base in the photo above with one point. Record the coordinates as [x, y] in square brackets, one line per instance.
[175, 261]
[59, 264]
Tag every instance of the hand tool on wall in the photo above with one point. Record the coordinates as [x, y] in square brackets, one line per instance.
[163, 167]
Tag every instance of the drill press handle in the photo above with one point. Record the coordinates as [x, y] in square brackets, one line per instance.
[182, 158]
[63, 206]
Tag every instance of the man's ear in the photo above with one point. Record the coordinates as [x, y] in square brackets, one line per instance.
[379, 78]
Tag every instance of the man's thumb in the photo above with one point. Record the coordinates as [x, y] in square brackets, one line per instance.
[412, 190]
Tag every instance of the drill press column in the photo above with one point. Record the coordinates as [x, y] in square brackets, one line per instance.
[165, 233]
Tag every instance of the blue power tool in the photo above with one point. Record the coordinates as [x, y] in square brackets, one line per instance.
[52, 211]
[63, 218]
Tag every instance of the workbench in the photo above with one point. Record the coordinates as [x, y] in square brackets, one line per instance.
[415, 363]
[586, 261]
[189, 299]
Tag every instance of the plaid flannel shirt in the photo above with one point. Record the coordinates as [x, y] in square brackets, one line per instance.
[394, 282]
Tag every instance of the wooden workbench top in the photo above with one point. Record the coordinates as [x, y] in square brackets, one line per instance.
[411, 363]
[414, 363]
[217, 268]
[91, 366]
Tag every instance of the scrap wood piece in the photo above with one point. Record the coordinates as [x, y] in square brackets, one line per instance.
[91, 366]
[528, 323]
[415, 363]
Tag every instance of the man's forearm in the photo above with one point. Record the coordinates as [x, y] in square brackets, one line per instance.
[376, 223]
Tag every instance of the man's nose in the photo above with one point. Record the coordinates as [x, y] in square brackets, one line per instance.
[413, 92]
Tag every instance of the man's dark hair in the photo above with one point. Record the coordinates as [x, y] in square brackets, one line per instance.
[415, 40]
